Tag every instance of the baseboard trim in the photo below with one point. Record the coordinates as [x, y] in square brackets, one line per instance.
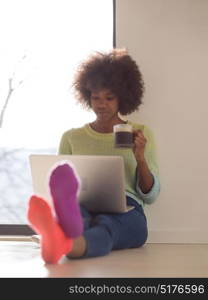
[177, 236]
[16, 229]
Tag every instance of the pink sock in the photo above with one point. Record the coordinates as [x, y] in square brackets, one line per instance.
[54, 243]
[64, 187]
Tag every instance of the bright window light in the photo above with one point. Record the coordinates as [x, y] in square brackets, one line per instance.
[42, 44]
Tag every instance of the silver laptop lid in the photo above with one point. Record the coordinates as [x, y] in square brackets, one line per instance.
[102, 179]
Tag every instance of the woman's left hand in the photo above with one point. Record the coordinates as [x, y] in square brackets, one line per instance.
[139, 144]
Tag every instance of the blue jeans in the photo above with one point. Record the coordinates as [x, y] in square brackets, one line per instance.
[106, 232]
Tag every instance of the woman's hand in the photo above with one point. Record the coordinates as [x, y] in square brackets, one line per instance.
[146, 180]
[139, 144]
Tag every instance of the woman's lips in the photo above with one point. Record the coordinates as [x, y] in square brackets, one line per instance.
[101, 112]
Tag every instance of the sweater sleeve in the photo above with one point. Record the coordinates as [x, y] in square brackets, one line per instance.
[150, 151]
[65, 146]
[151, 158]
[152, 195]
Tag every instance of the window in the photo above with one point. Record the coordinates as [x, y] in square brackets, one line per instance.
[42, 42]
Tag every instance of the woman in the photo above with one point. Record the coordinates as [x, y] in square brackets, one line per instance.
[111, 85]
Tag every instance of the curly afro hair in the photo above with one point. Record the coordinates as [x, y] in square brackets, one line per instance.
[115, 71]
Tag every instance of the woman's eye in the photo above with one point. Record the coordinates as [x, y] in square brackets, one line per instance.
[110, 98]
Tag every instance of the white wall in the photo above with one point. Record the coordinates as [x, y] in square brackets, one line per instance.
[169, 40]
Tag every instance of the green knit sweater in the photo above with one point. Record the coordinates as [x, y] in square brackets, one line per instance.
[86, 141]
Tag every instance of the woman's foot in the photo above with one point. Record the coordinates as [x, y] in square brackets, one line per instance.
[64, 188]
[54, 243]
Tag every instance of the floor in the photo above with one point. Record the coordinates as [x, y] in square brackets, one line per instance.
[20, 257]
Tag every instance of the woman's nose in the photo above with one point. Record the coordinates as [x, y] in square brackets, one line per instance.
[102, 103]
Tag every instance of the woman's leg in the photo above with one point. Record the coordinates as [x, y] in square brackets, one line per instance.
[108, 232]
[86, 217]
[79, 248]
[115, 231]
[79, 244]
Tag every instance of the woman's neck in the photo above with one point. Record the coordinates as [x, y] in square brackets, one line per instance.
[105, 127]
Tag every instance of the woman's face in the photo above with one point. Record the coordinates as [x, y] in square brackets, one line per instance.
[105, 104]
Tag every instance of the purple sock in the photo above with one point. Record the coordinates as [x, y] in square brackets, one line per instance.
[64, 187]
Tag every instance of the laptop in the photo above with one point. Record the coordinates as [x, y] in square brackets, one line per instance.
[102, 179]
